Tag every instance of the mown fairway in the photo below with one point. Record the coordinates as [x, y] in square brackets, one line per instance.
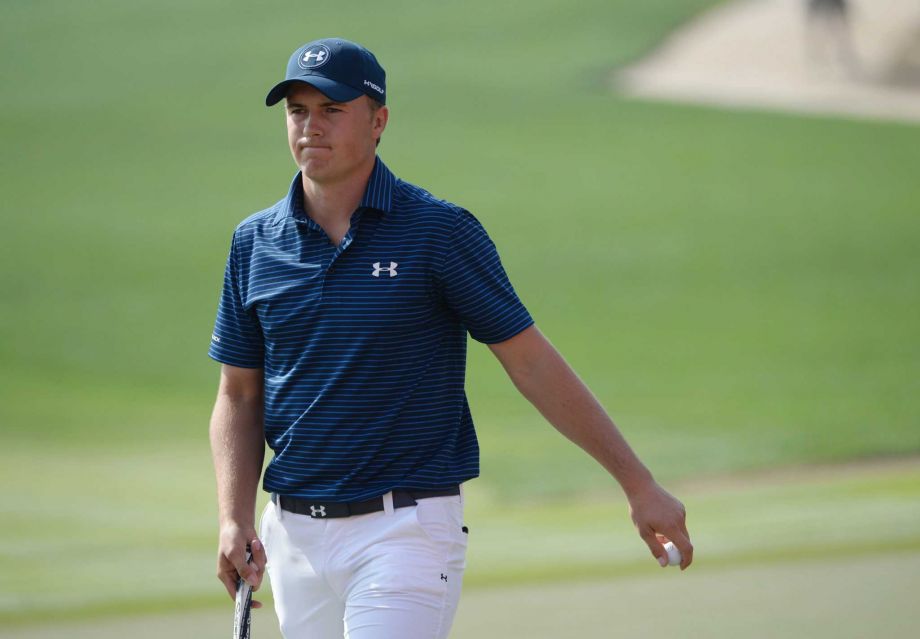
[820, 553]
[851, 599]
[741, 290]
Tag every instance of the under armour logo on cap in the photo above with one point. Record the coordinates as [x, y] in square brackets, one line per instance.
[315, 56]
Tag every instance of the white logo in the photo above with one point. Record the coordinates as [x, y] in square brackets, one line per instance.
[373, 86]
[378, 270]
[215, 338]
[315, 56]
[317, 512]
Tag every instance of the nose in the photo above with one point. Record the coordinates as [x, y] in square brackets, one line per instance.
[311, 127]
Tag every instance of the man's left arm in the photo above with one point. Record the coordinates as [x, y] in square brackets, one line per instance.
[541, 374]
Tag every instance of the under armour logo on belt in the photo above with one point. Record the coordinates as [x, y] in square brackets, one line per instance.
[378, 270]
[317, 512]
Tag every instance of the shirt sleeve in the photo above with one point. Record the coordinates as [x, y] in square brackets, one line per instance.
[237, 339]
[476, 287]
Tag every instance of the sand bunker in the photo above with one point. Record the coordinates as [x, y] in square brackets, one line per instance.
[767, 54]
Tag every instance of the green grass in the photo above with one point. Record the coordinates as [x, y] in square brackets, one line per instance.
[843, 598]
[144, 542]
[740, 289]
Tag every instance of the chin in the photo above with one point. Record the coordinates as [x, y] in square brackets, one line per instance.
[312, 168]
[317, 175]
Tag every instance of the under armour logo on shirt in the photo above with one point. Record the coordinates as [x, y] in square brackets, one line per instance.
[317, 512]
[378, 270]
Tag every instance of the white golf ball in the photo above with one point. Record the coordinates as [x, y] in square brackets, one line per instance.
[673, 554]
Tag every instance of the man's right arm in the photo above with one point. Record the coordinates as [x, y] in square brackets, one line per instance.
[238, 450]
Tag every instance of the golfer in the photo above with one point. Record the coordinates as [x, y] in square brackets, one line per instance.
[342, 331]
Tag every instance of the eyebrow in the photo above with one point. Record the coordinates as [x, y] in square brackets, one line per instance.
[322, 104]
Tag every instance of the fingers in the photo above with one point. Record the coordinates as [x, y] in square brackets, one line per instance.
[654, 545]
[682, 541]
[232, 565]
[249, 571]
[229, 583]
[659, 517]
[259, 559]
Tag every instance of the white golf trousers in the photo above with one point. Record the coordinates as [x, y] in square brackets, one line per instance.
[394, 574]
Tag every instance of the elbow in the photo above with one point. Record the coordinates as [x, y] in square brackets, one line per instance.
[240, 396]
[525, 379]
[240, 386]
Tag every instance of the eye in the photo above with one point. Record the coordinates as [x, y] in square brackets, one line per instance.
[332, 110]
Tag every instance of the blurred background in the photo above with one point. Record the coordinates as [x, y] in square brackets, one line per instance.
[736, 278]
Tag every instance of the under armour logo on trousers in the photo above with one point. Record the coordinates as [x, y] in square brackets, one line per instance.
[443, 577]
[317, 512]
[378, 270]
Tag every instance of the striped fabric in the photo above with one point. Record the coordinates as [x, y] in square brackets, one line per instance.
[363, 345]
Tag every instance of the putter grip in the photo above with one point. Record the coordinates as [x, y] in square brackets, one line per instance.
[242, 613]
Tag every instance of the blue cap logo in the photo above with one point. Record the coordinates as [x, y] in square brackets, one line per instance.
[315, 56]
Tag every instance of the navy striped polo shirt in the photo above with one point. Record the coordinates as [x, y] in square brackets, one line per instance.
[363, 345]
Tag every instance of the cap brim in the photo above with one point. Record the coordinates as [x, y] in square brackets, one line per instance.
[330, 88]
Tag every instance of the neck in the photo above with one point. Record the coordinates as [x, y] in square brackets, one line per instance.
[334, 202]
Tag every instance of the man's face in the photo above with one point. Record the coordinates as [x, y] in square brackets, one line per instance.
[331, 141]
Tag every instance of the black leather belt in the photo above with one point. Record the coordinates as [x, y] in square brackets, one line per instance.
[327, 509]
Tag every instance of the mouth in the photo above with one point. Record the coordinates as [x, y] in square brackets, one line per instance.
[314, 153]
[303, 145]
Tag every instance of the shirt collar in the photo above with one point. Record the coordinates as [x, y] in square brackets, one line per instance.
[378, 194]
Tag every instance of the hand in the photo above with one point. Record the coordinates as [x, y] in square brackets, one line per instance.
[660, 517]
[231, 559]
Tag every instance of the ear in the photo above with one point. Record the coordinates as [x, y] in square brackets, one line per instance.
[381, 117]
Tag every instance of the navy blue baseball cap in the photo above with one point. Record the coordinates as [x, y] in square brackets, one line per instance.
[342, 70]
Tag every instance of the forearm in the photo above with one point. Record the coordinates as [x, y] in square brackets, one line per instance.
[238, 450]
[550, 384]
[544, 378]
